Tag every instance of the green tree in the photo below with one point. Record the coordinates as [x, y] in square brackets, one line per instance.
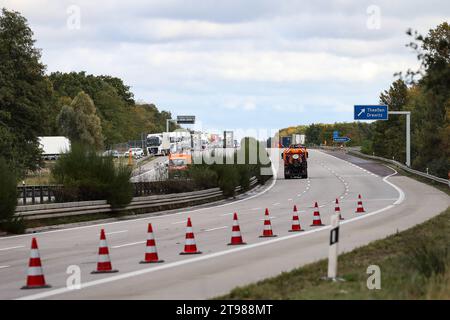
[80, 122]
[389, 135]
[25, 93]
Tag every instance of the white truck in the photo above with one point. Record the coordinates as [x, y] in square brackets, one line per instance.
[158, 144]
[53, 146]
[162, 144]
[298, 139]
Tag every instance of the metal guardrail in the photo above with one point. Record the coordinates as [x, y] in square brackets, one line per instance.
[153, 203]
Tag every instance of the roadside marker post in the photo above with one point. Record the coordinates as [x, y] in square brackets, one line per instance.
[333, 249]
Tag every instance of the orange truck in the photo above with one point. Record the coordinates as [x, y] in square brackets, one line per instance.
[178, 162]
[295, 161]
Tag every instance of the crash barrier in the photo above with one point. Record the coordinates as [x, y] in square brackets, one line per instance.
[147, 203]
[35, 276]
[33, 194]
[393, 162]
[45, 194]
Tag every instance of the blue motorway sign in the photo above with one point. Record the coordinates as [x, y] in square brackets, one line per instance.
[370, 112]
[341, 139]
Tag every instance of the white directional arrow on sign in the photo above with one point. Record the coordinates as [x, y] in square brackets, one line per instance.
[361, 112]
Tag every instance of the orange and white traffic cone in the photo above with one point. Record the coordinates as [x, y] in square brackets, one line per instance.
[35, 275]
[267, 232]
[236, 237]
[316, 219]
[151, 254]
[295, 222]
[190, 247]
[337, 210]
[360, 207]
[103, 261]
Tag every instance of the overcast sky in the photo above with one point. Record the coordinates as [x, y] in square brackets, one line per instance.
[237, 64]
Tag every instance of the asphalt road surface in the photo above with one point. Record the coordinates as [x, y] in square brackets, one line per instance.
[392, 203]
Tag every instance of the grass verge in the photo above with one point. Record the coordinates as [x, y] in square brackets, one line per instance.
[415, 264]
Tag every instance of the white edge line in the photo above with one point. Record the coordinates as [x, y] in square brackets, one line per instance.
[217, 254]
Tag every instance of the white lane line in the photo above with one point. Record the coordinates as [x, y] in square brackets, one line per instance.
[276, 204]
[227, 214]
[184, 221]
[11, 248]
[114, 232]
[128, 244]
[255, 209]
[289, 199]
[3, 267]
[122, 276]
[218, 228]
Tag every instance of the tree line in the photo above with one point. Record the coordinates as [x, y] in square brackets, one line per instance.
[424, 92]
[93, 110]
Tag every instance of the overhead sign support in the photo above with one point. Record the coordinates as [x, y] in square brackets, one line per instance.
[180, 120]
[381, 112]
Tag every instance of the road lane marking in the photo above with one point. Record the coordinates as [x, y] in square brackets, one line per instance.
[11, 248]
[276, 204]
[62, 290]
[114, 232]
[184, 221]
[255, 209]
[227, 214]
[218, 228]
[3, 267]
[128, 244]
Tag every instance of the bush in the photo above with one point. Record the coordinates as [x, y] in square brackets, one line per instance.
[14, 225]
[203, 177]
[89, 176]
[429, 258]
[228, 179]
[8, 191]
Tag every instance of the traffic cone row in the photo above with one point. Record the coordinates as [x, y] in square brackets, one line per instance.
[267, 231]
[360, 207]
[36, 279]
[295, 222]
[337, 210]
[35, 276]
[236, 237]
[103, 262]
[316, 218]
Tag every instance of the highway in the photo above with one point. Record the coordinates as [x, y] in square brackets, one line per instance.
[392, 203]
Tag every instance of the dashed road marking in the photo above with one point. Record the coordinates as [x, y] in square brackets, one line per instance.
[128, 244]
[218, 228]
[114, 232]
[11, 248]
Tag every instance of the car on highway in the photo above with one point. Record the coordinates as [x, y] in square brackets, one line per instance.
[135, 152]
[111, 153]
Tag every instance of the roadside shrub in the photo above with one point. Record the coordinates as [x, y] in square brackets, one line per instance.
[8, 191]
[366, 147]
[89, 176]
[203, 177]
[228, 179]
[429, 258]
[121, 189]
[14, 225]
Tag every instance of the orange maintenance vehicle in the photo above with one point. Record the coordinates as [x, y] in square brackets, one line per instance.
[178, 162]
[295, 161]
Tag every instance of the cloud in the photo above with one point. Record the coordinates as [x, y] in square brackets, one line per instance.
[279, 62]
